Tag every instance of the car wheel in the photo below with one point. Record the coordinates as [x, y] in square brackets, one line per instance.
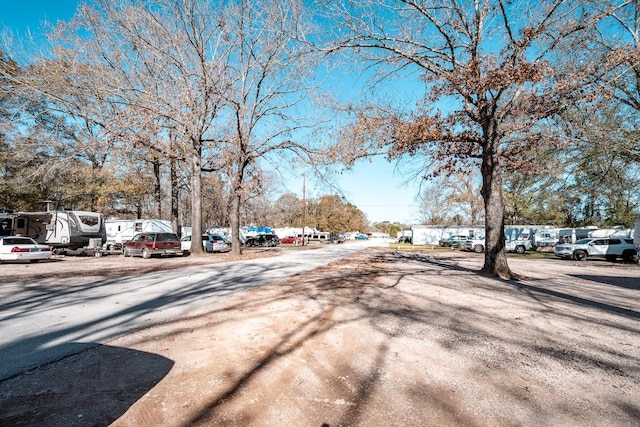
[126, 252]
[145, 253]
[478, 248]
[579, 255]
[520, 249]
[629, 256]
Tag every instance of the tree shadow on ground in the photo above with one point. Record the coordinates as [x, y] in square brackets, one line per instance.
[91, 388]
[332, 290]
[372, 298]
[620, 281]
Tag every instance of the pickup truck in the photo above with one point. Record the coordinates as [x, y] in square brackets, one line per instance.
[609, 248]
[518, 246]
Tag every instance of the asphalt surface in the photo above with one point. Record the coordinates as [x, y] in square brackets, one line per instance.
[45, 320]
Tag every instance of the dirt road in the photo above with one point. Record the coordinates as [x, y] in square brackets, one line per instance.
[384, 338]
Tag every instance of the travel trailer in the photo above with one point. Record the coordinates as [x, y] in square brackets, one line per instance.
[64, 229]
[119, 231]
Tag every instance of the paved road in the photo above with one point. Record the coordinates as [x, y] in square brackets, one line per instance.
[40, 324]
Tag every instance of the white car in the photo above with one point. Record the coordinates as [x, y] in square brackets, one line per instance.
[608, 248]
[18, 248]
[210, 243]
[518, 246]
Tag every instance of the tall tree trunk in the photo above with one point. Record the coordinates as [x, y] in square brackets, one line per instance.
[175, 195]
[157, 190]
[495, 256]
[196, 201]
[236, 198]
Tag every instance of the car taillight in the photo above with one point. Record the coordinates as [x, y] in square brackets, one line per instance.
[47, 249]
[17, 249]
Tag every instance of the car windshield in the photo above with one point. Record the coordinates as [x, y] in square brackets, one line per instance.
[18, 241]
[583, 241]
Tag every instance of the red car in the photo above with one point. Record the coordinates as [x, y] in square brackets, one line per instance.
[291, 240]
[147, 245]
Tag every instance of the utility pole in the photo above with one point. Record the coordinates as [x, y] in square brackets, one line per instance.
[304, 203]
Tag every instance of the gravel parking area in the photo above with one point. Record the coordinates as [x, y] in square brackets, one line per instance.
[384, 338]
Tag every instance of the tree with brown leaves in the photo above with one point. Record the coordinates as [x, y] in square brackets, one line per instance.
[488, 71]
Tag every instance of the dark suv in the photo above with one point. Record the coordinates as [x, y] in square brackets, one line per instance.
[268, 240]
[147, 245]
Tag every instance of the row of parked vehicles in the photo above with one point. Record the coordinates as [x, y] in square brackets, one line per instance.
[151, 244]
[609, 248]
[145, 245]
[161, 243]
[477, 244]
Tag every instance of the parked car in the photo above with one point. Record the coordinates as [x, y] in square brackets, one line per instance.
[405, 239]
[220, 243]
[478, 245]
[18, 248]
[338, 238]
[291, 240]
[474, 245]
[454, 241]
[607, 248]
[265, 240]
[361, 237]
[147, 245]
[210, 243]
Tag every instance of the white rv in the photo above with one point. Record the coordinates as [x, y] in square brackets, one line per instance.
[59, 229]
[121, 230]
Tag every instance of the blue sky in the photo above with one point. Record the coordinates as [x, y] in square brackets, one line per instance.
[373, 187]
[19, 16]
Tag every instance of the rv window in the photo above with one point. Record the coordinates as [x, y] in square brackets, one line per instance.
[21, 223]
[88, 220]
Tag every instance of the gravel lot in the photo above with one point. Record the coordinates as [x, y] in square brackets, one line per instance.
[383, 338]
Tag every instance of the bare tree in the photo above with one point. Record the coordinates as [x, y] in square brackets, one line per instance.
[488, 69]
[269, 97]
[158, 66]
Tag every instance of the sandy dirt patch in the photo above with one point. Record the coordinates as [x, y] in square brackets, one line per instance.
[384, 338]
